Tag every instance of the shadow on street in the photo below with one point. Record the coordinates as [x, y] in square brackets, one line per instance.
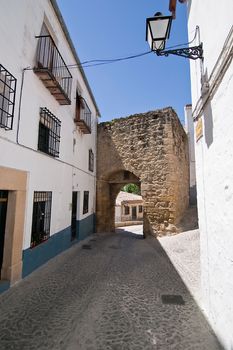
[121, 293]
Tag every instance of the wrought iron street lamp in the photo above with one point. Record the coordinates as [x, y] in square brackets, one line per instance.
[158, 31]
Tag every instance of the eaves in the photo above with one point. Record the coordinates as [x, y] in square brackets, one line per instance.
[68, 38]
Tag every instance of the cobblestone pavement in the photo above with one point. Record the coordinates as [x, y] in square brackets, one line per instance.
[109, 297]
[184, 252]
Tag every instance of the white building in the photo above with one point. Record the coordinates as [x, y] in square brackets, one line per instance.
[128, 208]
[189, 128]
[48, 119]
[212, 92]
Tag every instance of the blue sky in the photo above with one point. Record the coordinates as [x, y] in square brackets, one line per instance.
[107, 29]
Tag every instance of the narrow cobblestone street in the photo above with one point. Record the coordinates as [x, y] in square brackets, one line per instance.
[107, 293]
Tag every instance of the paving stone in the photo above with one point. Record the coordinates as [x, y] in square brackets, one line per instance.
[104, 299]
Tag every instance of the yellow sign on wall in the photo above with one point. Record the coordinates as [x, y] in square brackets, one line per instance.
[199, 129]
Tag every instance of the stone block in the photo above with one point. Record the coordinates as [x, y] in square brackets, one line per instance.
[152, 147]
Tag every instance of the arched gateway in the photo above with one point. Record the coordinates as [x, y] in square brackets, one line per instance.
[150, 150]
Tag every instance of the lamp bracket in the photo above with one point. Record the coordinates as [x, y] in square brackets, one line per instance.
[193, 52]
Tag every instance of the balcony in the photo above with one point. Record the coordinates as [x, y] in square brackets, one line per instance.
[83, 115]
[52, 70]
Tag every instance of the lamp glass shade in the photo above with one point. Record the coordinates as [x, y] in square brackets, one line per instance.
[157, 31]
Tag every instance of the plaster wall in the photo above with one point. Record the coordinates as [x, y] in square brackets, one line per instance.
[131, 205]
[189, 127]
[117, 213]
[214, 161]
[20, 22]
[18, 47]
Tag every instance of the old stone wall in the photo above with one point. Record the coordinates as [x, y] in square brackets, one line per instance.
[148, 149]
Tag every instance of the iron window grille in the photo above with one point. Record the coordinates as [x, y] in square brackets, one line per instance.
[49, 133]
[126, 210]
[140, 208]
[85, 202]
[7, 98]
[41, 217]
[91, 160]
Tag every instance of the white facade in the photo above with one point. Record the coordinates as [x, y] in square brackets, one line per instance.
[212, 92]
[189, 128]
[128, 207]
[20, 22]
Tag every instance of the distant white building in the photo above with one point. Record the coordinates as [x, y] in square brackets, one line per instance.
[128, 207]
[212, 110]
[48, 119]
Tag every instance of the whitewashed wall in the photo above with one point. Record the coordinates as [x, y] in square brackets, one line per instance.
[214, 162]
[20, 22]
[189, 128]
[117, 213]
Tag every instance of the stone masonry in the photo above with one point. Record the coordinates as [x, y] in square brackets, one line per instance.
[150, 150]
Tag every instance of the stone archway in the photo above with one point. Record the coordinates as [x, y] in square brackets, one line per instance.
[108, 187]
[148, 149]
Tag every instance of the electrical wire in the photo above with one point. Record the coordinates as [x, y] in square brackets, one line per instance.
[185, 44]
[104, 61]
[100, 62]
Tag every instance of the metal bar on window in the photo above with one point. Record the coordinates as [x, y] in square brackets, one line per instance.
[49, 133]
[7, 98]
[41, 217]
[49, 58]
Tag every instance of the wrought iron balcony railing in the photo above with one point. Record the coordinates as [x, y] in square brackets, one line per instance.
[83, 115]
[52, 70]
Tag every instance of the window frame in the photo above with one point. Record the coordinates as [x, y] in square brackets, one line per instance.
[7, 98]
[126, 210]
[83, 112]
[85, 202]
[91, 161]
[49, 133]
[41, 217]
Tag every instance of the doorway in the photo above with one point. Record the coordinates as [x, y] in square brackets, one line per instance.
[134, 213]
[74, 234]
[3, 211]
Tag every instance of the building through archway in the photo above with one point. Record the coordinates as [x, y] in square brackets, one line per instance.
[151, 151]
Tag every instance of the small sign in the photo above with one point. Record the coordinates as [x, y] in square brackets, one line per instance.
[199, 129]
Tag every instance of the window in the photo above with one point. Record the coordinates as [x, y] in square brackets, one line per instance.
[126, 210]
[41, 217]
[52, 69]
[47, 29]
[85, 202]
[7, 98]
[91, 160]
[140, 208]
[49, 133]
[126, 175]
[83, 115]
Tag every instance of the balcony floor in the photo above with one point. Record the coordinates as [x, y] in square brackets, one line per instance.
[52, 85]
[83, 126]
